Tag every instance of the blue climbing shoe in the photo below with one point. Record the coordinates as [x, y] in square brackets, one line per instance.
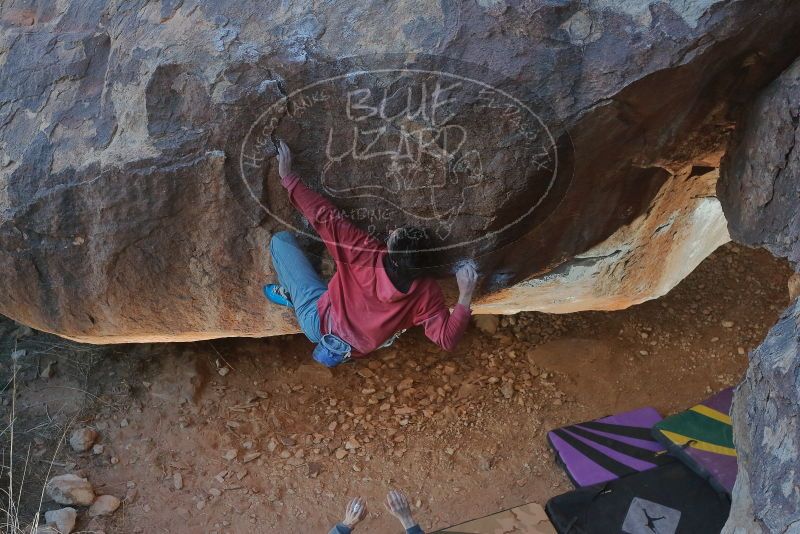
[278, 294]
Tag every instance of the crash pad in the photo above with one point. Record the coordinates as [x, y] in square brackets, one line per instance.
[669, 499]
[608, 448]
[702, 437]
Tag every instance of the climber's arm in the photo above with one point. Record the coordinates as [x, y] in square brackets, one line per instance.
[441, 326]
[343, 239]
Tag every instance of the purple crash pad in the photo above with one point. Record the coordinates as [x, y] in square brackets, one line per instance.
[609, 448]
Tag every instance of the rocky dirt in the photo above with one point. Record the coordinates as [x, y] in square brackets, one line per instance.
[248, 436]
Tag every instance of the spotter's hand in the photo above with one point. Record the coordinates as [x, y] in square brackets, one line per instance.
[355, 512]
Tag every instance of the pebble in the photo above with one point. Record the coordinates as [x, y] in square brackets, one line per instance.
[70, 489]
[104, 505]
[177, 480]
[484, 463]
[230, 454]
[251, 456]
[314, 469]
[727, 324]
[487, 323]
[63, 519]
[98, 448]
[340, 453]
[82, 439]
[48, 372]
[287, 441]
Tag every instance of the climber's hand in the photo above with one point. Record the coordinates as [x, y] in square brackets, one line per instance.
[467, 278]
[284, 159]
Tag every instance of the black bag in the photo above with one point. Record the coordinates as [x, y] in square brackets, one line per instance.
[670, 499]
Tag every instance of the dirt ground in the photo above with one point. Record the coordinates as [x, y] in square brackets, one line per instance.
[250, 436]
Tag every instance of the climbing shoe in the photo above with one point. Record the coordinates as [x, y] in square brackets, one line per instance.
[277, 294]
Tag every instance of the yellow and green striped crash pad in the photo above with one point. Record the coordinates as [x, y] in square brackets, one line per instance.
[702, 437]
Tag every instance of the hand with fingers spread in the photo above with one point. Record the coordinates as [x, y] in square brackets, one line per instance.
[397, 504]
[355, 512]
[284, 159]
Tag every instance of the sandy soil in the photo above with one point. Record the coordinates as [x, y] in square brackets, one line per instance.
[279, 444]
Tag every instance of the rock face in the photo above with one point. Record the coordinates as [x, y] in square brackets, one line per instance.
[761, 186]
[134, 138]
[638, 262]
[760, 193]
[767, 434]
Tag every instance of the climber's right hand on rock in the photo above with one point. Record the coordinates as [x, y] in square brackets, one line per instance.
[284, 159]
[467, 278]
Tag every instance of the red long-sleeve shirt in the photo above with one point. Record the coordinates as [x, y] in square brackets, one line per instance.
[362, 306]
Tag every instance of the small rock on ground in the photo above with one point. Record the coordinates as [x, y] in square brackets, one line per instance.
[70, 489]
[487, 323]
[82, 439]
[104, 505]
[63, 519]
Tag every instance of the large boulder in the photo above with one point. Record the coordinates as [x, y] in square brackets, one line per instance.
[759, 189]
[766, 497]
[135, 138]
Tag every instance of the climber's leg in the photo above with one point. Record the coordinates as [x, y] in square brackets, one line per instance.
[301, 281]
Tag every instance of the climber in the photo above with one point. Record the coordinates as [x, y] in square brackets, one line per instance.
[377, 290]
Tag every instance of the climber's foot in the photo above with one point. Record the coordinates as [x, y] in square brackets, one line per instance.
[278, 294]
